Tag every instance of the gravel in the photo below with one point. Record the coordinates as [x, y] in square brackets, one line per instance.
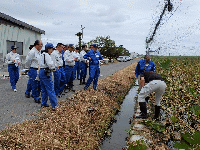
[15, 107]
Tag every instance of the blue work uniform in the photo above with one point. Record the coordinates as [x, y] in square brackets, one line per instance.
[46, 82]
[59, 74]
[83, 65]
[13, 68]
[76, 67]
[141, 67]
[63, 51]
[32, 63]
[94, 67]
[69, 67]
[29, 88]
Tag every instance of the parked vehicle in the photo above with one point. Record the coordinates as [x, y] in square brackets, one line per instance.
[128, 58]
[122, 58]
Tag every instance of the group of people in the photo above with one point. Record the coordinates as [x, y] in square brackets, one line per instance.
[65, 62]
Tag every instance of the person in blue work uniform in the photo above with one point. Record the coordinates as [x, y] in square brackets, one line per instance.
[13, 61]
[32, 63]
[83, 65]
[63, 51]
[91, 47]
[69, 66]
[144, 65]
[45, 76]
[77, 64]
[29, 87]
[93, 56]
[59, 73]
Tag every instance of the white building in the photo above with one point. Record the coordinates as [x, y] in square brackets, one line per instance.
[16, 32]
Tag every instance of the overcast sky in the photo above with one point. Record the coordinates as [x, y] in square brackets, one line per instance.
[127, 22]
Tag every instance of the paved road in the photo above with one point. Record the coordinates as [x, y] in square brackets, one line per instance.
[15, 107]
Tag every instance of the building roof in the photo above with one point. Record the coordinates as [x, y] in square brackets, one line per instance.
[20, 23]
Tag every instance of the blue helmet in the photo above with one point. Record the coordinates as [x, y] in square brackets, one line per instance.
[13, 47]
[71, 45]
[95, 45]
[49, 45]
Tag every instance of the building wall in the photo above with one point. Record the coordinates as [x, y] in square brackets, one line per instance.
[19, 34]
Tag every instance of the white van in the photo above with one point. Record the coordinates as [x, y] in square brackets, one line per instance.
[128, 58]
[122, 58]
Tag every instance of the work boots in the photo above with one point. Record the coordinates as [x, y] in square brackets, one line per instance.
[80, 82]
[71, 87]
[157, 112]
[143, 109]
[66, 87]
[83, 81]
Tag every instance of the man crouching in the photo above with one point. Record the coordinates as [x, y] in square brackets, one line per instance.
[155, 83]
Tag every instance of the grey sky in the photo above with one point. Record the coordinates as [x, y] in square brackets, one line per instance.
[128, 22]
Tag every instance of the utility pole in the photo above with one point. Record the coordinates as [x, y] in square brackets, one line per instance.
[79, 34]
[82, 30]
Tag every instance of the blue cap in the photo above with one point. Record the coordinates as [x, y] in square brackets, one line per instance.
[49, 45]
[71, 45]
[13, 47]
[95, 45]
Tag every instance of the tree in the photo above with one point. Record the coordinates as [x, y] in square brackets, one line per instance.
[108, 47]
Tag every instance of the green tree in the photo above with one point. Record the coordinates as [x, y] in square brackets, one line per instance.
[108, 48]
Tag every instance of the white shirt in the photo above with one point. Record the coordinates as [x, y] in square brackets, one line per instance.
[12, 56]
[82, 53]
[69, 58]
[48, 62]
[99, 63]
[32, 59]
[57, 58]
[77, 55]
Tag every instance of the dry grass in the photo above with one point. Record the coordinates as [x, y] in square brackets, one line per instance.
[78, 123]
